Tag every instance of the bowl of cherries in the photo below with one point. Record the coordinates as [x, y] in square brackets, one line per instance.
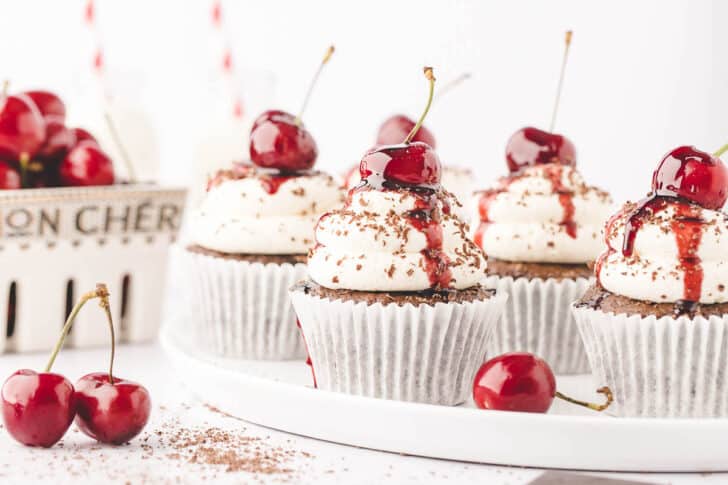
[68, 220]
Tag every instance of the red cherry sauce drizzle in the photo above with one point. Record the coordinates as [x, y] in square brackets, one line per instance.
[425, 218]
[309, 362]
[553, 172]
[271, 180]
[688, 229]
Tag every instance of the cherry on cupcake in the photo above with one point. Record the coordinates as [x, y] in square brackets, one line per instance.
[110, 409]
[694, 175]
[408, 163]
[531, 146]
[397, 127]
[520, 381]
[279, 140]
[38, 407]
[86, 165]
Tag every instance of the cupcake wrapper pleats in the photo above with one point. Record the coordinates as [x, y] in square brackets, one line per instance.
[659, 367]
[240, 309]
[423, 353]
[537, 319]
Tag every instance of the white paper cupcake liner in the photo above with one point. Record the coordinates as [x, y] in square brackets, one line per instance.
[423, 353]
[240, 309]
[659, 367]
[538, 319]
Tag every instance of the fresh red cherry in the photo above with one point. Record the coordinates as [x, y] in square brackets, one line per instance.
[694, 175]
[86, 165]
[9, 177]
[280, 142]
[38, 407]
[397, 127]
[531, 146]
[271, 114]
[48, 104]
[81, 135]
[59, 139]
[520, 381]
[409, 164]
[22, 129]
[111, 412]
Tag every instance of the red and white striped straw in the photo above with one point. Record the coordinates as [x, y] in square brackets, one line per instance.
[98, 61]
[227, 63]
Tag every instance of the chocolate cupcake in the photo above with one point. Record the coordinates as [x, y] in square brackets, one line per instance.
[655, 324]
[249, 242]
[394, 308]
[540, 227]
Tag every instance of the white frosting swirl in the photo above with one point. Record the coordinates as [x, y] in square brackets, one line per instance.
[457, 180]
[545, 214]
[372, 244]
[240, 215]
[654, 271]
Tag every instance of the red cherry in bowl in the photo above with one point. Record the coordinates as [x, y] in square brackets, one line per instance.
[9, 177]
[396, 128]
[530, 146]
[406, 164]
[48, 104]
[59, 139]
[80, 135]
[282, 143]
[37, 407]
[519, 381]
[86, 165]
[22, 129]
[111, 412]
[694, 175]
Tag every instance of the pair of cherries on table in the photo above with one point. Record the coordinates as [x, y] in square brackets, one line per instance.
[39, 407]
[37, 149]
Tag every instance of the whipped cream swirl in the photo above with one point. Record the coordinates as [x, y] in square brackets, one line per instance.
[665, 250]
[395, 240]
[459, 181]
[248, 210]
[543, 214]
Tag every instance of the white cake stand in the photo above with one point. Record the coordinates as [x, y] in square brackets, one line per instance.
[279, 395]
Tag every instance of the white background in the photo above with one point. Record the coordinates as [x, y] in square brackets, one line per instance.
[644, 76]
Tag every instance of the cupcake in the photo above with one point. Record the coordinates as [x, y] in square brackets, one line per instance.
[393, 308]
[655, 324]
[249, 243]
[540, 227]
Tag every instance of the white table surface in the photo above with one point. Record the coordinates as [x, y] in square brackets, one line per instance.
[80, 460]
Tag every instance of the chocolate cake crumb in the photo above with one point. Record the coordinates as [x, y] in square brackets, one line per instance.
[427, 297]
[251, 258]
[558, 271]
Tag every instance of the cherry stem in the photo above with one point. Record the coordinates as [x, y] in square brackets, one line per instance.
[447, 87]
[596, 407]
[6, 86]
[721, 150]
[431, 78]
[122, 149]
[327, 56]
[567, 41]
[102, 293]
[24, 162]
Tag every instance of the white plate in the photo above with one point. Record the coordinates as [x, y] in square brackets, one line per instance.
[279, 395]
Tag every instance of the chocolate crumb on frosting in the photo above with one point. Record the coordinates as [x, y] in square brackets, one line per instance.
[428, 297]
[251, 258]
[597, 298]
[558, 271]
